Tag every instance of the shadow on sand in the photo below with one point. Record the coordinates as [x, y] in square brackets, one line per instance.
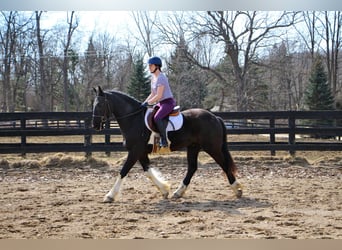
[228, 206]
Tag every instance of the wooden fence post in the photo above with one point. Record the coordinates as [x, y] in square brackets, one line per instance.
[292, 135]
[23, 137]
[107, 137]
[272, 135]
[87, 137]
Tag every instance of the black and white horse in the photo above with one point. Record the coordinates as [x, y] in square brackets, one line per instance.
[201, 130]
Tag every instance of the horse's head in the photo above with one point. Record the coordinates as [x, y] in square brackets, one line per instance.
[101, 110]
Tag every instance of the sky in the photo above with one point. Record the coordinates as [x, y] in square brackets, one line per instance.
[111, 21]
[170, 5]
[100, 22]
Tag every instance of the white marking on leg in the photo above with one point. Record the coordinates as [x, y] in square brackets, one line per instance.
[113, 193]
[180, 191]
[237, 188]
[158, 180]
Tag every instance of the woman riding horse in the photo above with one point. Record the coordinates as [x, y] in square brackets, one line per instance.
[162, 95]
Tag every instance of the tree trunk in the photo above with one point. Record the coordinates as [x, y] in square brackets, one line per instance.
[43, 84]
[66, 62]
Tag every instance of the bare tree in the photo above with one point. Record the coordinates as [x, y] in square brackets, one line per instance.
[243, 34]
[104, 63]
[22, 66]
[282, 77]
[146, 24]
[176, 29]
[44, 105]
[310, 34]
[8, 43]
[72, 25]
[332, 24]
[14, 46]
[237, 35]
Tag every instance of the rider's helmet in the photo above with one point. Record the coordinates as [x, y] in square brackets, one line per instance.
[155, 60]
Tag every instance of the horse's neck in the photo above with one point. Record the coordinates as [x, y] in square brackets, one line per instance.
[121, 104]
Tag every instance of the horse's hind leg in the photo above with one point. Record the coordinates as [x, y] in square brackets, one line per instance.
[162, 185]
[226, 163]
[192, 158]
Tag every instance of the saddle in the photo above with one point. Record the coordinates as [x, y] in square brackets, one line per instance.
[175, 122]
[150, 121]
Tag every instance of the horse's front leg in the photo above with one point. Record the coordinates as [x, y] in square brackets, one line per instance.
[155, 176]
[113, 193]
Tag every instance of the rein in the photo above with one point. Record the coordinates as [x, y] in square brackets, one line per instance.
[129, 114]
[108, 112]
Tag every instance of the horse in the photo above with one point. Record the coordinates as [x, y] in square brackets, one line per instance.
[201, 131]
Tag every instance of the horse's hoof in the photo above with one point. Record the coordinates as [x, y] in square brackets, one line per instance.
[176, 196]
[165, 190]
[237, 188]
[239, 193]
[108, 199]
[166, 195]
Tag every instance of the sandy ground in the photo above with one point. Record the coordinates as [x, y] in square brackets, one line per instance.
[60, 197]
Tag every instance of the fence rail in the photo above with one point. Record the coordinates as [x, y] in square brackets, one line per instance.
[290, 124]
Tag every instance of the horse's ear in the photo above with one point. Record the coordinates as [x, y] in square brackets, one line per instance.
[100, 91]
[95, 91]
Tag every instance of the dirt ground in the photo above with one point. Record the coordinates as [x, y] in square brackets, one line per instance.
[60, 197]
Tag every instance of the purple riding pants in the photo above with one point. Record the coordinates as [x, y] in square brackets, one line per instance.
[165, 107]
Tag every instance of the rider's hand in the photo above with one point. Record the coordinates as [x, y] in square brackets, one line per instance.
[144, 104]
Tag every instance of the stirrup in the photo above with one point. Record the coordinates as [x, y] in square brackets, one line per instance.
[164, 150]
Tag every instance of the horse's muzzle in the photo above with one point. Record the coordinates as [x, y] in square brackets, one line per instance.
[98, 124]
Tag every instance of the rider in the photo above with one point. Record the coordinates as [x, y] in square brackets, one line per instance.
[161, 95]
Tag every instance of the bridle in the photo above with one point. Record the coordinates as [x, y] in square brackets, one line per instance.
[107, 112]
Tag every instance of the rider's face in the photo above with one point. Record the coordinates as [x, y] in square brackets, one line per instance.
[152, 67]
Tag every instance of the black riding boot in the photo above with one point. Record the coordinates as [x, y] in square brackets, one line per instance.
[161, 125]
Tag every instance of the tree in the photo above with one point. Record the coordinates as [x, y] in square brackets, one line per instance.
[145, 25]
[237, 35]
[322, 32]
[43, 90]
[318, 95]
[309, 37]
[220, 96]
[187, 84]
[93, 72]
[13, 53]
[281, 70]
[139, 86]
[8, 46]
[333, 39]
[242, 43]
[72, 25]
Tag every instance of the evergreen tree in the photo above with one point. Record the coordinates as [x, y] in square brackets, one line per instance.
[318, 94]
[139, 86]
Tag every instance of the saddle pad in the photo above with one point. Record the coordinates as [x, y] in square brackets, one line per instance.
[175, 121]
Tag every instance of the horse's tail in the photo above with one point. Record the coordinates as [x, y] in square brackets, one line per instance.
[227, 156]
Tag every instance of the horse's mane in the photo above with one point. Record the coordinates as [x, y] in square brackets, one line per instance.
[124, 95]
